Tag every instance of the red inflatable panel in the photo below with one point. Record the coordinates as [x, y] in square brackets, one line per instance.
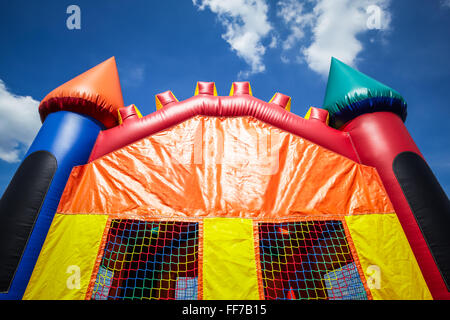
[281, 100]
[166, 98]
[235, 106]
[318, 114]
[128, 113]
[206, 88]
[240, 88]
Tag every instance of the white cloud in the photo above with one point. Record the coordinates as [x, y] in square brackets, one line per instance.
[445, 3]
[284, 59]
[293, 14]
[338, 23]
[333, 26]
[317, 29]
[246, 25]
[273, 43]
[132, 75]
[19, 124]
[296, 34]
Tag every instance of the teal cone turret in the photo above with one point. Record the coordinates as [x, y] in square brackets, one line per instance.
[351, 93]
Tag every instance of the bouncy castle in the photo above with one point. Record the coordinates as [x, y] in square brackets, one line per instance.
[224, 198]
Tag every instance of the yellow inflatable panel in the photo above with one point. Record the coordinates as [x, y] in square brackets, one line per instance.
[390, 268]
[308, 114]
[158, 103]
[139, 114]
[65, 265]
[229, 264]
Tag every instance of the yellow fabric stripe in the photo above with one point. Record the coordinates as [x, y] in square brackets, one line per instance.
[229, 266]
[120, 117]
[139, 114]
[288, 106]
[158, 103]
[196, 89]
[390, 268]
[308, 114]
[68, 254]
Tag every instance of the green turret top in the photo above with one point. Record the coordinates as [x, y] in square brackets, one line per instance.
[351, 93]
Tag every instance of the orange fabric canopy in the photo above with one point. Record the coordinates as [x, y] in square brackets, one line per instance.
[234, 167]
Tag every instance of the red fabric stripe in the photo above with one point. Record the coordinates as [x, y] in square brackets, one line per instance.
[236, 106]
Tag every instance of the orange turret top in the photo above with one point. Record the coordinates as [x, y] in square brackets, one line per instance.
[95, 93]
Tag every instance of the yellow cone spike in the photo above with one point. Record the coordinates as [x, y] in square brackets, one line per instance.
[158, 103]
[120, 117]
[308, 114]
[139, 114]
[288, 106]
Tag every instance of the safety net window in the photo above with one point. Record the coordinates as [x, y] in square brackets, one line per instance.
[308, 260]
[148, 260]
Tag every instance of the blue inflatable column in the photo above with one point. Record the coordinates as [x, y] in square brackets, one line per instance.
[29, 203]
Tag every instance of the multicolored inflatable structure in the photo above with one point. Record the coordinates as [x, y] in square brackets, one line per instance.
[224, 197]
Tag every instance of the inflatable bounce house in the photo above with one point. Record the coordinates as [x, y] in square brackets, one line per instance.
[224, 197]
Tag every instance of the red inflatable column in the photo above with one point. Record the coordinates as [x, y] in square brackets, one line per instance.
[382, 141]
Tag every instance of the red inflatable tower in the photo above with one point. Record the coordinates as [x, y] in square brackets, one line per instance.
[373, 115]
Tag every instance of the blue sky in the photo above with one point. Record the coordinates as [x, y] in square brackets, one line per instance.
[282, 45]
